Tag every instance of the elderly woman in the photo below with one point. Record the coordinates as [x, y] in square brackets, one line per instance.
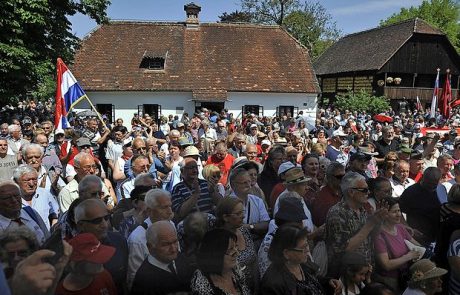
[218, 272]
[288, 274]
[230, 215]
[425, 278]
[254, 169]
[16, 244]
[212, 174]
[255, 214]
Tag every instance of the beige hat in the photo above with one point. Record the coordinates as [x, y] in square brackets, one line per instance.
[191, 151]
[425, 269]
[295, 175]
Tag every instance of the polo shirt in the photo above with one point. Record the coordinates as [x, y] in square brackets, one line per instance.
[181, 193]
[44, 203]
[38, 226]
[383, 148]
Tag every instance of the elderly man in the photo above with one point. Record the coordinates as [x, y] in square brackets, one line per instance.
[92, 216]
[84, 165]
[221, 131]
[416, 166]
[32, 155]
[38, 198]
[192, 194]
[238, 146]
[13, 214]
[348, 227]
[387, 144]
[15, 141]
[251, 152]
[50, 158]
[139, 147]
[174, 135]
[333, 151]
[158, 274]
[421, 204]
[139, 164]
[329, 195]
[222, 159]
[158, 204]
[7, 162]
[400, 180]
[92, 133]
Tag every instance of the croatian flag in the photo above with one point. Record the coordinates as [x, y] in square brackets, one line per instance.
[434, 101]
[68, 94]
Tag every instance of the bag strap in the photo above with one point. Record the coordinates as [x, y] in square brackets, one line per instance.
[32, 214]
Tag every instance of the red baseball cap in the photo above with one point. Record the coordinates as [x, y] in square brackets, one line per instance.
[86, 247]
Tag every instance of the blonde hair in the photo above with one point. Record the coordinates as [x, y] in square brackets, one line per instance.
[209, 170]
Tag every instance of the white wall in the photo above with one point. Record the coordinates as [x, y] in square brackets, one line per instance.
[126, 103]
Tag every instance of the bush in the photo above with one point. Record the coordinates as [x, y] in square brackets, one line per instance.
[361, 101]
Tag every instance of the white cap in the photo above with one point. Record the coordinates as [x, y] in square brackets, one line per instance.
[338, 132]
[266, 142]
[59, 131]
[253, 126]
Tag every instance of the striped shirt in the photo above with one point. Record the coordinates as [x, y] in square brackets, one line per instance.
[454, 250]
[181, 193]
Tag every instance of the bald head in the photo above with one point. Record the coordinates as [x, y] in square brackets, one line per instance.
[87, 207]
[162, 241]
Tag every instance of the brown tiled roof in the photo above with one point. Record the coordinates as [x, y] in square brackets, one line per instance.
[371, 49]
[210, 61]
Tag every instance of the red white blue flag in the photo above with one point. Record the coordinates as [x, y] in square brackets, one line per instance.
[68, 94]
[434, 101]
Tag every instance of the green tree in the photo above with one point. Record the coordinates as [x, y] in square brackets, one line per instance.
[442, 14]
[236, 17]
[33, 34]
[308, 22]
[361, 101]
[313, 27]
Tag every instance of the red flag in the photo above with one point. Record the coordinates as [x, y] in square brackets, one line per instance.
[444, 102]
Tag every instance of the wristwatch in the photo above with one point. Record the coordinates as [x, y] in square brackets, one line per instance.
[251, 226]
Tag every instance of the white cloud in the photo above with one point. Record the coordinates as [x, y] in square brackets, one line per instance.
[372, 6]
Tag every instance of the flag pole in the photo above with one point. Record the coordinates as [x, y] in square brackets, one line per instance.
[95, 110]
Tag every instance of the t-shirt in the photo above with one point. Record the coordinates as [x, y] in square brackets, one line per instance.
[7, 166]
[223, 165]
[393, 245]
[102, 284]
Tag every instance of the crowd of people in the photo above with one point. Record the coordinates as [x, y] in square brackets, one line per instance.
[212, 204]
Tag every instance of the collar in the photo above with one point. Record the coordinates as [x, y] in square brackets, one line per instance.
[155, 262]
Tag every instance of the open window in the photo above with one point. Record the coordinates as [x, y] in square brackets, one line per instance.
[285, 110]
[253, 109]
[107, 110]
[153, 110]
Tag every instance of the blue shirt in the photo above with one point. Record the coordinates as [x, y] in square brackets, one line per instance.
[158, 165]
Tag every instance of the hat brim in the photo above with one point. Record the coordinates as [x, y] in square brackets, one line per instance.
[102, 255]
[437, 272]
[298, 180]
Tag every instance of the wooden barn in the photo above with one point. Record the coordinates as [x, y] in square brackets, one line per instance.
[398, 61]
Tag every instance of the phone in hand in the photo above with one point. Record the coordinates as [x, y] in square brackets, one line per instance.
[54, 243]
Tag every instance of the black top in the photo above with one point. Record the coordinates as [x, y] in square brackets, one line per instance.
[422, 209]
[152, 280]
[449, 222]
[383, 148]
[117, 266]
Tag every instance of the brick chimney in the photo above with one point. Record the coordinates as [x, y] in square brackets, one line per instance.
[192, 10]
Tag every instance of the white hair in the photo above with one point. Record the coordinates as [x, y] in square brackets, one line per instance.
[13, 127]
[31, 146]
[80, 210]
[21, 170]
[349, 181]
[152, 196]
[80, 156]
[154, 230]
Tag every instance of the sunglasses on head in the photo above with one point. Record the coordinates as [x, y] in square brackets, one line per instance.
[98, 220]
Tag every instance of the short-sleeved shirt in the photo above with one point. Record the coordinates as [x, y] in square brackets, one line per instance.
[342, 223]
[7, 166]
[44, 203]
[181, 193]
[255, 210]
[384, 148]
[394, 245]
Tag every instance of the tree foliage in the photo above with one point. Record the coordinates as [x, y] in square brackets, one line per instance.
[236, 17]
[33, 34]
[442, 14]
[361, 101]
[308, 22]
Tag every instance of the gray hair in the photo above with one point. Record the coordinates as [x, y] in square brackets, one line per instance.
[88, 182]
[80, 210]
[174, 132]
[152, 196]
[154, 230]
[80, 156]
[21, 170]
[349, 181]
[385, 129]
[143, 179]
[443, 158]
[31, 146]
[13, 127]
[332, 169]
[10, 235]
[235, 173]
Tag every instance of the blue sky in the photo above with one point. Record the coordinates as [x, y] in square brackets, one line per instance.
[350, 15]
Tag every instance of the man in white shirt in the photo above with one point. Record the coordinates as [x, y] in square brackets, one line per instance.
[159, 205]
[400, 180]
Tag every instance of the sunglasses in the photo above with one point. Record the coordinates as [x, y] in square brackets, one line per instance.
[98, 220]
[340, 176]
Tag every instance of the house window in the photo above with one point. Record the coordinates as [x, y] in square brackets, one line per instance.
[253, 109]
[107, 110]
[153, 110]
[285, 110]
[153, 63]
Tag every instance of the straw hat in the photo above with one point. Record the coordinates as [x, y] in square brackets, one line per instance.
[295, 175]
[425, 269]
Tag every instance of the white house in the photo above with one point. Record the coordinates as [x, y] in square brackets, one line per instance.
[170, 68]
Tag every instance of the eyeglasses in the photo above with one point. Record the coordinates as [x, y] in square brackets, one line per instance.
[363, 190]
[85, 147]
[98, 220]
[89, 167]
[143, 148]
[241, 213]
[340, 176]
[305, 249]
